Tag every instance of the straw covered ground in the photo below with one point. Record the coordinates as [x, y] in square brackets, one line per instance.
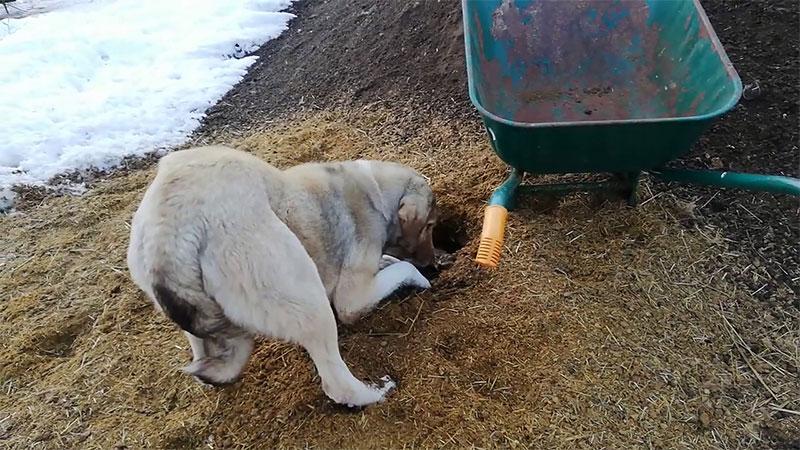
[605, 326]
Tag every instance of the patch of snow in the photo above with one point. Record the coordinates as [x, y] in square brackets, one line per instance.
[86, 84]
[22, 8]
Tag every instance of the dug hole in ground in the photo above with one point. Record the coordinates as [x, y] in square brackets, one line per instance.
[604, 327]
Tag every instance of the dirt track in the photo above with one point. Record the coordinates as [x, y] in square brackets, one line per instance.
[606, 327]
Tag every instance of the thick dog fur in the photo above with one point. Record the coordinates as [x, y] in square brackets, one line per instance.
[228, 246]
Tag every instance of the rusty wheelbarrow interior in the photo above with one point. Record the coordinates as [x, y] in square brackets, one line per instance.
[597, 86]
[559, 62]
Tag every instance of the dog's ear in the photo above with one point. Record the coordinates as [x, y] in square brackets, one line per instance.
[416, 217]
[412, 218]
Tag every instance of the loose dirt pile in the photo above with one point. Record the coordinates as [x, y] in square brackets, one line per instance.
[402, 54]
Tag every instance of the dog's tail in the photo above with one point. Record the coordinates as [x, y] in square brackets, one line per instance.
[190, 308]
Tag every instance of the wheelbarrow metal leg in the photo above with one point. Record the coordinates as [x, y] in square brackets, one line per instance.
[494, 220]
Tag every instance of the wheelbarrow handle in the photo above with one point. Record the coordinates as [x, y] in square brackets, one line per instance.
[494, 221]
[749, 181]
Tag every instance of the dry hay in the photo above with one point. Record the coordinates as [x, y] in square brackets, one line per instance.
[605, 327]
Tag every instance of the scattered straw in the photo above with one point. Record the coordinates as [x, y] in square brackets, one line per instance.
[600, 329]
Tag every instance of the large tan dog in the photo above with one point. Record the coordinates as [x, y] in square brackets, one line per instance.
[228, 246]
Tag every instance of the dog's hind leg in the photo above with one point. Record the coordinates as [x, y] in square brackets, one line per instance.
[296, 309]
[198, 350]
[359, 292]
[310, 322]
[266, 283]
[302, 314]
[219, 359]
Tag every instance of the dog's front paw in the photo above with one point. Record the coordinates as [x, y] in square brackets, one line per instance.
[386, 261]
[418, 280]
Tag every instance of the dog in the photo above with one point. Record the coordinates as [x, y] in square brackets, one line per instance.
[228, 246]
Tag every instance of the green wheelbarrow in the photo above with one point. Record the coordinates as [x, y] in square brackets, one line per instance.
[597, 86]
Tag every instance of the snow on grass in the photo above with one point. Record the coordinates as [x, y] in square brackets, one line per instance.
[89, 83]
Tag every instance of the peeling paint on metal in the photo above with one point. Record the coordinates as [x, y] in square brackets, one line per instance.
[584, 60]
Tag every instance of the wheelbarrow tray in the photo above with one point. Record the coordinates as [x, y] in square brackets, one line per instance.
[595, 85]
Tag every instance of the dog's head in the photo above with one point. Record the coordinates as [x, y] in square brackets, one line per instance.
[416, 217]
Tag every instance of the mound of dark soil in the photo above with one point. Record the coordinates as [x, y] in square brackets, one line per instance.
[399, 52]
[760, 135]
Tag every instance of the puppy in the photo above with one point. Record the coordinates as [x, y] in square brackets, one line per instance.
[228, 246]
